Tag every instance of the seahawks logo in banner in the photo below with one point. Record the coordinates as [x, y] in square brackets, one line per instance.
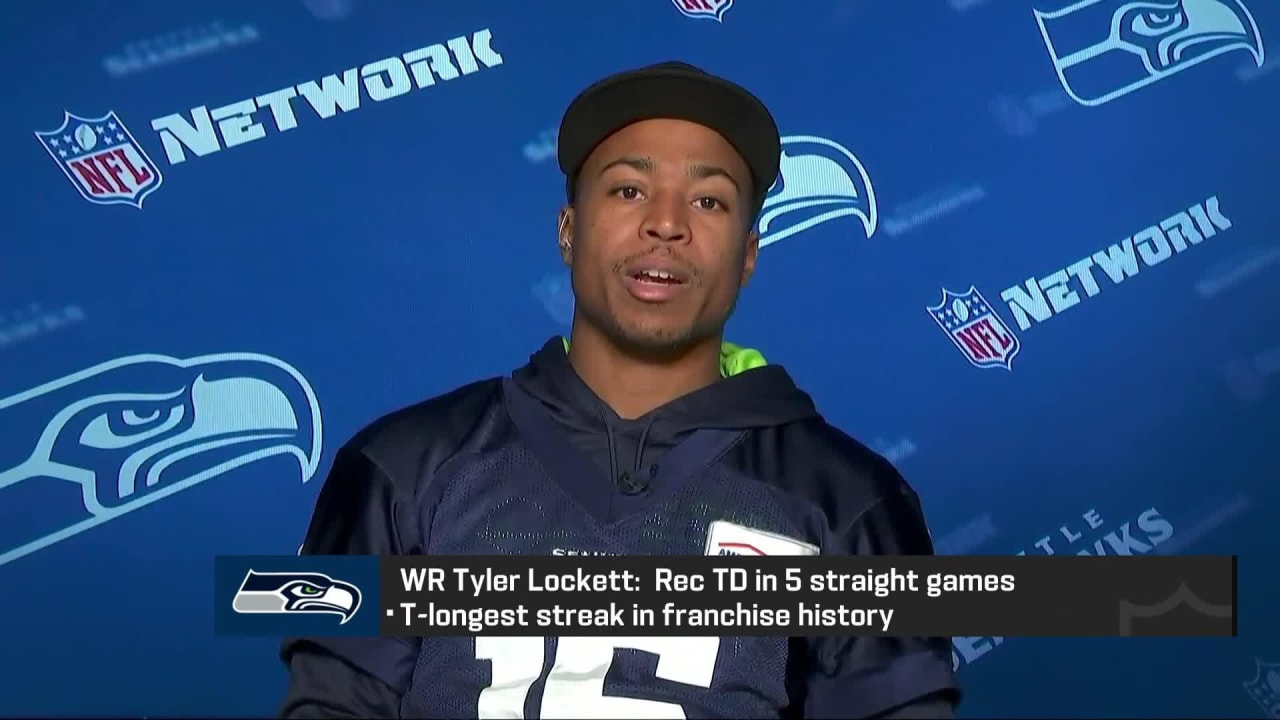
[98, 444]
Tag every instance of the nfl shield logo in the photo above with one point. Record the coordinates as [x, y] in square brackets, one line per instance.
[102, 160]
[1264, 688]
[976, 330]
[710, 9]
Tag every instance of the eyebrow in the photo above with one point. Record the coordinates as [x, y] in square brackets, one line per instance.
[642, 164]
[703, 172]
[646, 165]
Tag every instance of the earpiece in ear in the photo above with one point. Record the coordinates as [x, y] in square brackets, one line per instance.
[566, 243]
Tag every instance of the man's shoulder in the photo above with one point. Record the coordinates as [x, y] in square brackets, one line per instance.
[846, 456]
[430, 431]
[827, 468]
[867, 502]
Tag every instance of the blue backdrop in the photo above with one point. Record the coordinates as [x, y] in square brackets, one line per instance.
[1027, 250]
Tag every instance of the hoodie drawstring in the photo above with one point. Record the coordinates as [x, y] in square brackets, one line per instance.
[640, 447]
[627, 484]
[613, 447]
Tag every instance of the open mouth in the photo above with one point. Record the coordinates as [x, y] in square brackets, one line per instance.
[655, 285]
[657, 277]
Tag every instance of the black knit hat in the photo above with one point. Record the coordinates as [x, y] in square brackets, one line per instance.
[678, 91]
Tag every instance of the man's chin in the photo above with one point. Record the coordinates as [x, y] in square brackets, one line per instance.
[651, 332]
[657, 340]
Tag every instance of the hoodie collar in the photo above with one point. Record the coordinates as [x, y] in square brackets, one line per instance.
[751, 393]
[734, 359]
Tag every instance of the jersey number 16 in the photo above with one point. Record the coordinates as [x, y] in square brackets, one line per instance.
[574, 688]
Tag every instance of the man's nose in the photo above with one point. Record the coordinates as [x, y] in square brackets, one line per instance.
[667, 220]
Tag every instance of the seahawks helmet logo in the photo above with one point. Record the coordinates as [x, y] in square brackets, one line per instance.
[291, 592]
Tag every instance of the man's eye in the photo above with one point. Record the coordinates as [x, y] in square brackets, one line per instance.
[707, 203]
[628, 192]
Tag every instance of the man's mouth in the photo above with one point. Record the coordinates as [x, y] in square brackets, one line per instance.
[657, 277]
[653, 281]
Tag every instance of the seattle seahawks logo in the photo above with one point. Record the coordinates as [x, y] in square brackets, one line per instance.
[1106, 49]
[818, 181]
[286, 593]
[98, 444]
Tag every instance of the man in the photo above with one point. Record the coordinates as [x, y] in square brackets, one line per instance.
[644, 433]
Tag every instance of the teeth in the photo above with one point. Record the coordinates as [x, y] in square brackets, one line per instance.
[658, 274]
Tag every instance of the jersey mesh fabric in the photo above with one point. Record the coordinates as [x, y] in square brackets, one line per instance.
[505, 503]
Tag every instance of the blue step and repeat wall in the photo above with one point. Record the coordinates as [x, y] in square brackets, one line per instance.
[1028, 251]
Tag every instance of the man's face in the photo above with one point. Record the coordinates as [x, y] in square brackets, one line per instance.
[660, 239]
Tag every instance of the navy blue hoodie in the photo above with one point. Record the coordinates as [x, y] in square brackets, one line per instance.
[537, 464]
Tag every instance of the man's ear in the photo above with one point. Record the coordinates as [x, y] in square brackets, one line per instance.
[565, 234]
[749, 258]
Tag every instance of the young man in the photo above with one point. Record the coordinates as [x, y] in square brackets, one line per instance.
[642, 434]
